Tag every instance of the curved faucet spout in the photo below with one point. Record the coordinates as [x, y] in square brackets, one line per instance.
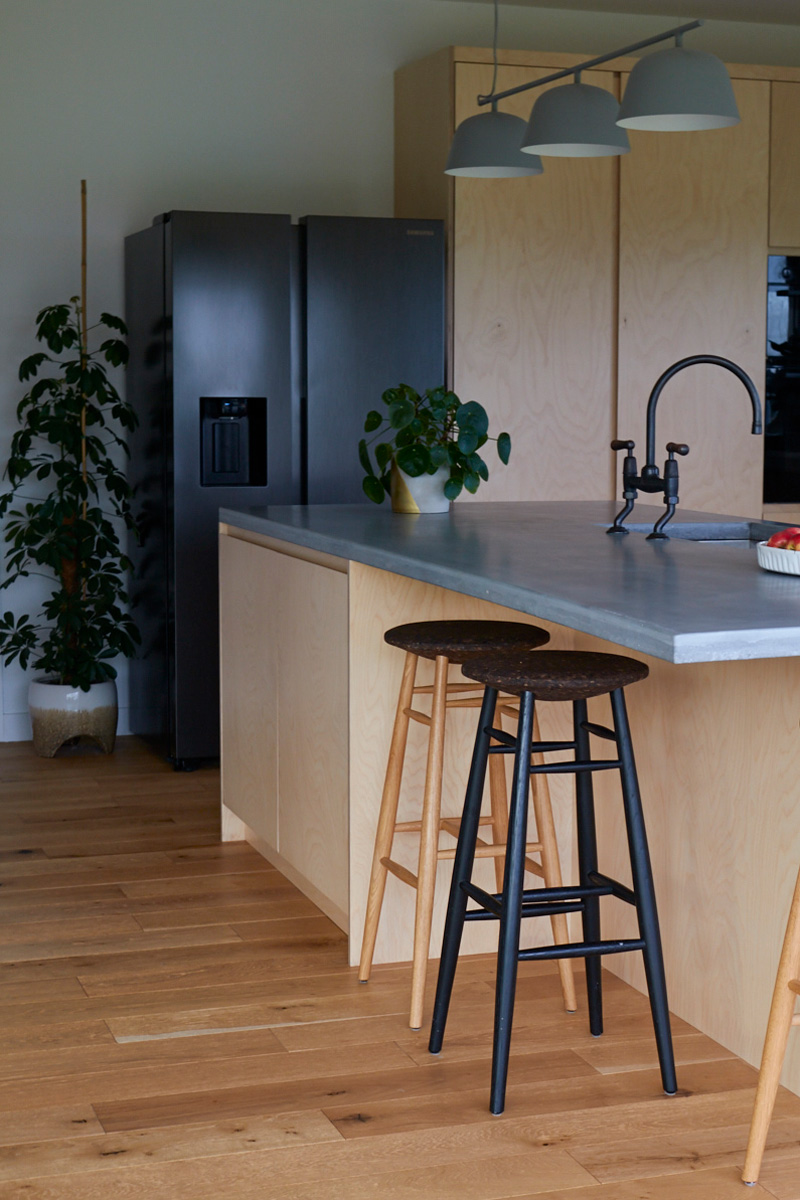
[694, 360]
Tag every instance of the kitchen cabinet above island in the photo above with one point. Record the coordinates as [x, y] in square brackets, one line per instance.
[570, 292]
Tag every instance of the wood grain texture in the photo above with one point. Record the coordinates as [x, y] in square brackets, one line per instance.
[331, 1096]
[719, 798]
[248, 687]
[692, 280]
[423, 127]
[784, 165]
[534, 310]
[284, 709]
[378, 601]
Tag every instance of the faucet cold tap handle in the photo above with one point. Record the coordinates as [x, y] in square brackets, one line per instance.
[618, 445]
[674, 448]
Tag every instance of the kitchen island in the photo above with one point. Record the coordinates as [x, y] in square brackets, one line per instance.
[309, 689]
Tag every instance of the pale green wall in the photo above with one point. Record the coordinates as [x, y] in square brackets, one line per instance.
[270, 105]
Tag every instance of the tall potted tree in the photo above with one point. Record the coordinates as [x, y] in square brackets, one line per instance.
[65, 510]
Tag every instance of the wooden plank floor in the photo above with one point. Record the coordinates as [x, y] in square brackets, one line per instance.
[179, 1023]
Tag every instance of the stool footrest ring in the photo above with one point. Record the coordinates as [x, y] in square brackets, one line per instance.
[576, 768]
[538, 902]
[600, 731]
[580, 949]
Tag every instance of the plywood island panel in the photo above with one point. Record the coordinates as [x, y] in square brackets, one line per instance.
[283, 634]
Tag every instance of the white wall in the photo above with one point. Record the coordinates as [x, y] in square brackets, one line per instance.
[266, 105]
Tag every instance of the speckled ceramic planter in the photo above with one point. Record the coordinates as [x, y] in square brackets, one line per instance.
[420, 493]
[59, 713]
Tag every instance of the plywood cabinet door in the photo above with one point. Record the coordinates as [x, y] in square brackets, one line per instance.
[249, 685]
[693, 259]
[534, 310]
[784, 167]
[284, 653]
[312, 649]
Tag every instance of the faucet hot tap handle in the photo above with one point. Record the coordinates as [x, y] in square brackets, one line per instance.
[618, 445]
[674, 448]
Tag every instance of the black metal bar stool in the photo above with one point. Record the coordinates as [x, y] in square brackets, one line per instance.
[547, 675]
[449, 642]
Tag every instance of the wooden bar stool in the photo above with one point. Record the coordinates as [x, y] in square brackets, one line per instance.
[781, 1019]
[450, 642]
[548, 675]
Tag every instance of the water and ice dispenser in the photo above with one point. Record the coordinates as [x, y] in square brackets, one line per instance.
[233, 439]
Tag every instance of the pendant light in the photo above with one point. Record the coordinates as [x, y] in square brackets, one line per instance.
[575, 121]
[678, 89]
[670, 90]
[487, 146]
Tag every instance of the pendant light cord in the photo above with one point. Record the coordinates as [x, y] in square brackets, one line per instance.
[494, 51]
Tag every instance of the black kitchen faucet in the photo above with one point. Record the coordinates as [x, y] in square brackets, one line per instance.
[651, 479]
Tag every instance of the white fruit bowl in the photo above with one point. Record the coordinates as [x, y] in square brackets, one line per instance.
[772, 558]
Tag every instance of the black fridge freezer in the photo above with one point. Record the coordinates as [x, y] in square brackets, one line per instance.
[256, 349]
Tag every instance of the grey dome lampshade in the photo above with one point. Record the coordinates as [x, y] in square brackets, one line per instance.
[576, 120]
[678, 89]
[487, 146]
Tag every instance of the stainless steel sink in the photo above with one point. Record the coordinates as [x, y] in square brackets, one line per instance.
[731, 533]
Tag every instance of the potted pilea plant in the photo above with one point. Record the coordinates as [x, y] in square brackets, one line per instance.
[65, 509]
[430, 440]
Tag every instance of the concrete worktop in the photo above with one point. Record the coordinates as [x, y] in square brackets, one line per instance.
[680, 600]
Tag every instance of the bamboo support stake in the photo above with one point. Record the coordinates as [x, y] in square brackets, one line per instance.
[84, 332]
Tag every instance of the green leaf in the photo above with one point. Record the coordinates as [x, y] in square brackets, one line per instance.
[471, 417]
[467, 442]
[112, 322]
[383, 455]
[476, 464]
[452, 489]
[29, 366]
[373, 421]
[363, 457]
[504, 447]
[373, 489]
[401, 413]
[415, 460]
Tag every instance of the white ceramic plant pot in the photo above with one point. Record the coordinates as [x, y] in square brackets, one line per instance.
[59, 713]
[420, 493]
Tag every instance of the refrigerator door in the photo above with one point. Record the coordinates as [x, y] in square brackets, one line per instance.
[228, 431]
[374, 318]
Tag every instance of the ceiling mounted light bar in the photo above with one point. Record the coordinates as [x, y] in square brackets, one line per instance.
[679, 30]
[673, 89]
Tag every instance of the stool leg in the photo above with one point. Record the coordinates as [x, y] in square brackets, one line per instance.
[780, 1022]
[511, 917]
[429, 842]
[462, 871]
[646, 910]
[551, 867]
[387, 816]
[587, 863]
[498, 794]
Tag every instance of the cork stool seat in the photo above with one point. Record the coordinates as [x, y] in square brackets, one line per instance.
[449, 642]
[782, 1017]
[544, 676]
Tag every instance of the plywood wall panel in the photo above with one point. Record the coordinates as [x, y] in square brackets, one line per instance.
[784, 167]
[693, 260]
[534, 310]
